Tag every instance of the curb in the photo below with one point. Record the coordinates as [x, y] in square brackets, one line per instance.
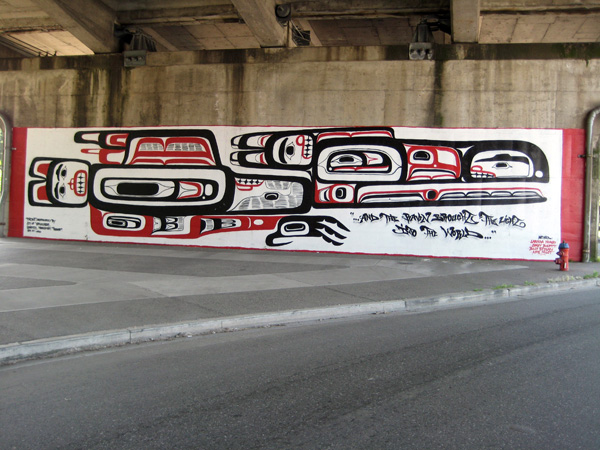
[10, 353]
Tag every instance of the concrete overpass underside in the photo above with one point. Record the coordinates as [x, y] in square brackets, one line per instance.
[62, 27]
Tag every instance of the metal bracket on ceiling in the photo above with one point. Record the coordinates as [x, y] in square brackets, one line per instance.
[137, 44]
[421, 47]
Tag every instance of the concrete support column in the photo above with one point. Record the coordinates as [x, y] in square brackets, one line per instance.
[90, 21]
[465, 20]
[260, 17]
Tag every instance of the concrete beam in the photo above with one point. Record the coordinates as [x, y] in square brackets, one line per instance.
[177, 16]
[260, 17]
[465, 20]
[335, 8]
[8, 24]
[90, 21]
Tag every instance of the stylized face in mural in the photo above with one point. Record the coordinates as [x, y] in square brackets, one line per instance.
[359, 162]
[432, 163]
[59, 182]
[289, 150]
[293, 150]
[67, 182]
[503, 164]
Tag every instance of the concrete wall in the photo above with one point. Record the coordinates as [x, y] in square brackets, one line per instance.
[467, 86]
[307, 87]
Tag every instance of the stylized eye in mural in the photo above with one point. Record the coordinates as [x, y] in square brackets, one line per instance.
[173, 183]
[125, 222]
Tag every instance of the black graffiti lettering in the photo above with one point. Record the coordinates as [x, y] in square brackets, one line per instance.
[513, 221]
[418, 218]
[405, 230]
[469, 217]
[370, 217]
[366, 217]
[429, 232]
[487, 219]
[388, 217]
[461, 233]
[464, 216]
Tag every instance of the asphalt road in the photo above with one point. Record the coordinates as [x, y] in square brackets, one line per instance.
[521, 374]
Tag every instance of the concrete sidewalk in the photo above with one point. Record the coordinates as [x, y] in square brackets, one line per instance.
[60, 296]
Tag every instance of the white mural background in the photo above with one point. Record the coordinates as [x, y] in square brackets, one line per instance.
[477, 229]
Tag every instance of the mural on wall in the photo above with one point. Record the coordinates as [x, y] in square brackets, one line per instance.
[476, 193]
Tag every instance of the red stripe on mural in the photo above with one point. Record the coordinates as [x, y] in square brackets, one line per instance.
[573, 187]
[18, 158]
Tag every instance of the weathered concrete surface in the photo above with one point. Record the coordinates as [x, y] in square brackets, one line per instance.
[466, 20]
[309, 87]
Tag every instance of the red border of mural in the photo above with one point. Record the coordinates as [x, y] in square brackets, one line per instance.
[16, 215]
[573, 185]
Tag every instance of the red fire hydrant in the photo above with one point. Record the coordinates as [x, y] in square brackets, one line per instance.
[563, 256]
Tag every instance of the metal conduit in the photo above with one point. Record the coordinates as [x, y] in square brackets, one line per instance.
[589, 155]
[5, 150]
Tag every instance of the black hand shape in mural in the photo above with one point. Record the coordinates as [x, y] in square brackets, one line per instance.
[290, 228]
